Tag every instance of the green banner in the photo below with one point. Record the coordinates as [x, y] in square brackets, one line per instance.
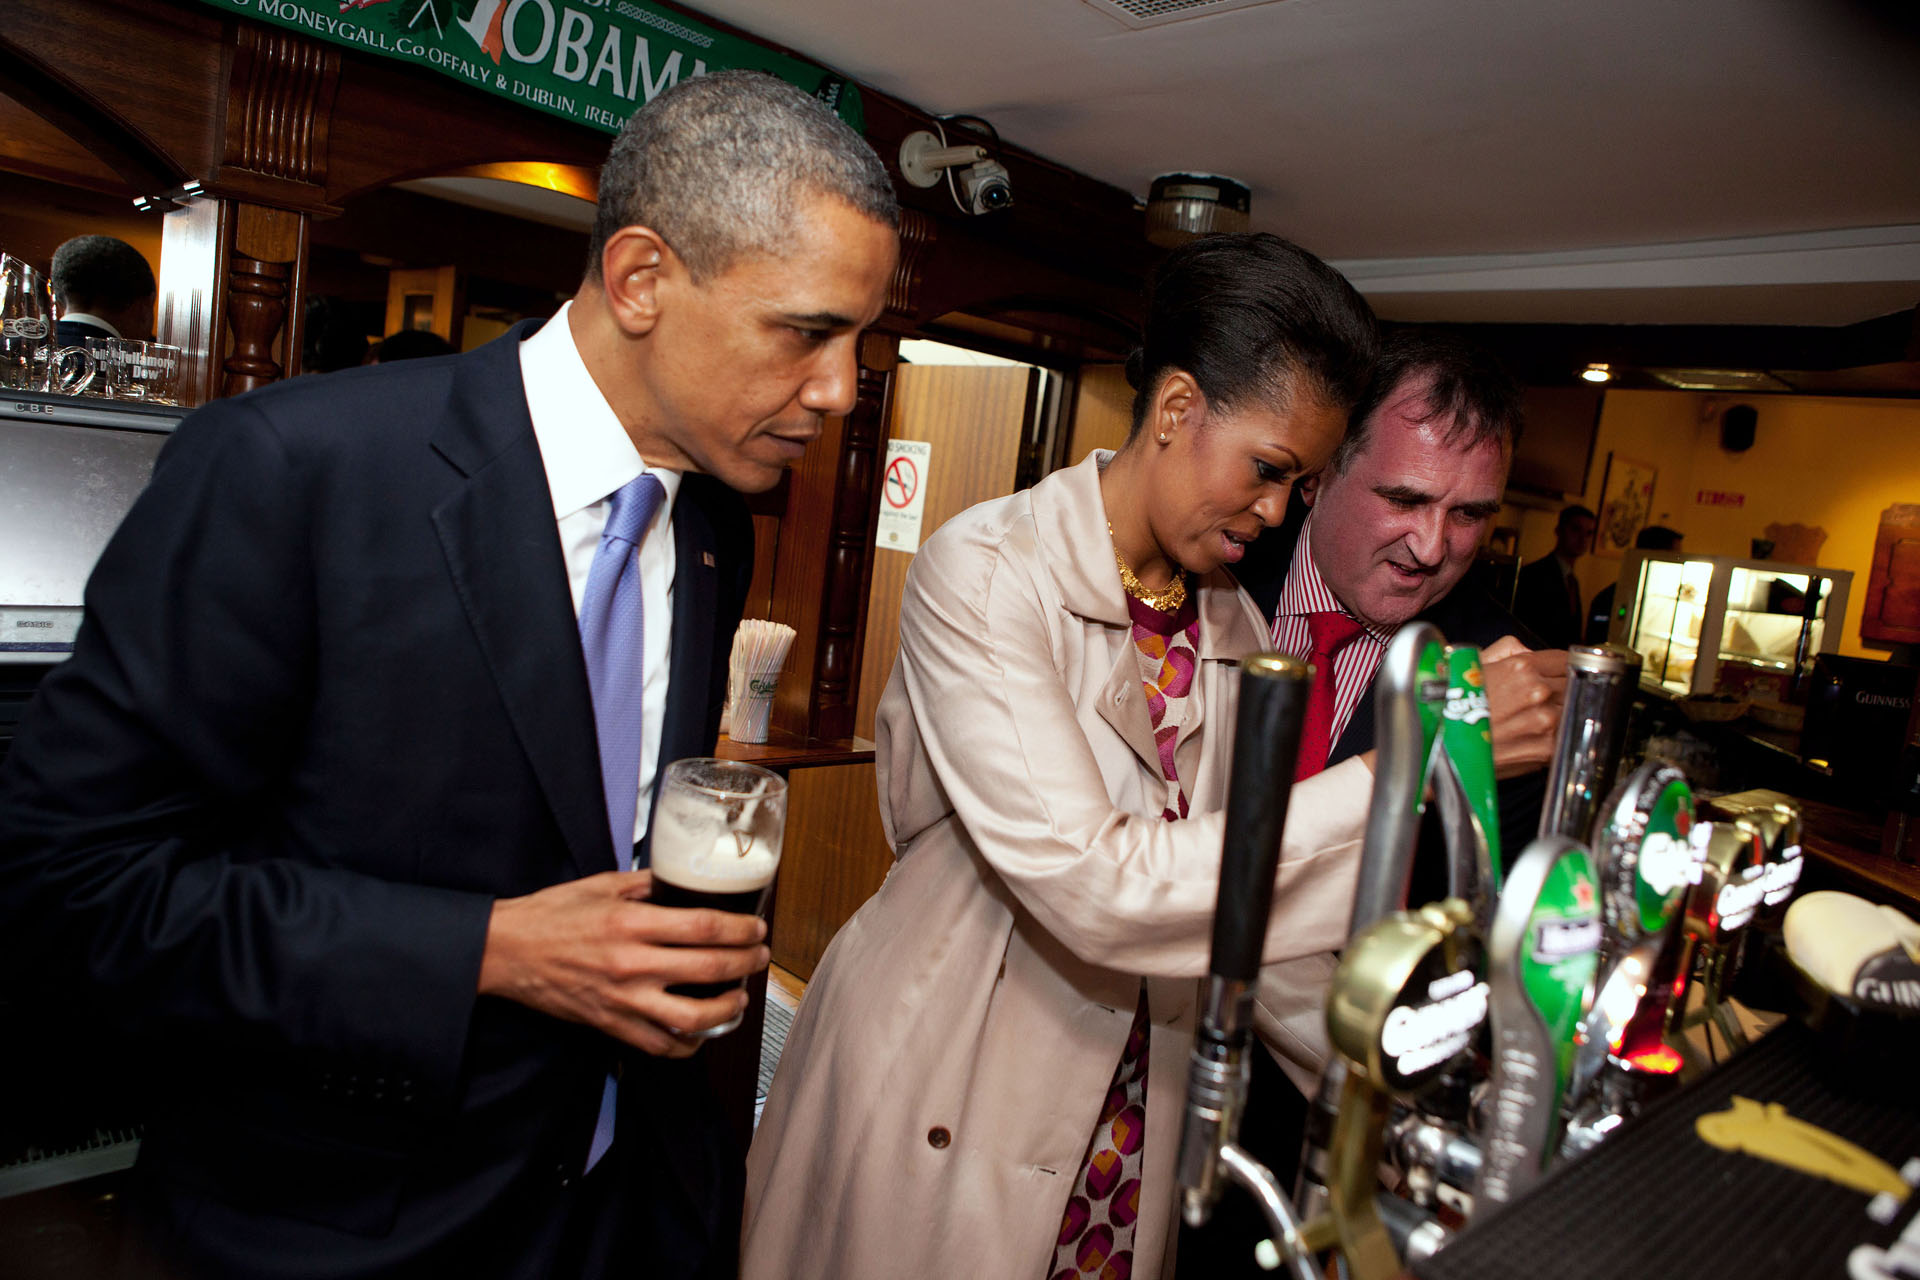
[591, 61]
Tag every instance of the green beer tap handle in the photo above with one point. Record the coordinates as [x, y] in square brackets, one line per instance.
[1463, 783]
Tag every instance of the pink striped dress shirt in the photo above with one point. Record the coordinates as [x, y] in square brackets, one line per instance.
[1305, 593]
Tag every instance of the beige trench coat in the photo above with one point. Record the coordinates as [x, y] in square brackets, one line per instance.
[946, 1068]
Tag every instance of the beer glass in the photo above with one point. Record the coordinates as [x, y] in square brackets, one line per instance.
[716, 841]
[26, 322]
[66, 371]
[148, 371]
[108, 354]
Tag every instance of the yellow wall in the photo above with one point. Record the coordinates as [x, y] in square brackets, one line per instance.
[1833, 462]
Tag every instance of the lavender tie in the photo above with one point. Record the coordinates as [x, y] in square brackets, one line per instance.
[612, 625]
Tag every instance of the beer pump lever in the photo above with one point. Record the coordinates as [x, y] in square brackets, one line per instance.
[1593, 733]
[1409, 693]
[1266, 744]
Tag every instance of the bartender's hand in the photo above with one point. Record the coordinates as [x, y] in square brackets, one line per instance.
[1526, 689]
[595, 951]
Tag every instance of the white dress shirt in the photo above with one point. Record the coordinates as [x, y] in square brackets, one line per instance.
[82, 317]
[588, 455]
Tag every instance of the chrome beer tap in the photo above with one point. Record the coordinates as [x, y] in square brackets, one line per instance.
[1542, 953]
[1266, 745]
[1409, 695]
[1593, 731]
[1642, 844]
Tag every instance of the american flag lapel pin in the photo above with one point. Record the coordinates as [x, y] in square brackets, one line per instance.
[706, 558]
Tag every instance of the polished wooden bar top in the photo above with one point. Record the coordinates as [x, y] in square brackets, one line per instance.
[1850, 843]
[789, 751]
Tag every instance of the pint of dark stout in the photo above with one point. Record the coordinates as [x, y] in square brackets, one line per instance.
[717, 832]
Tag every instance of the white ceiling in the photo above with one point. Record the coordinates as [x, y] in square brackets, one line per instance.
[1720, 161]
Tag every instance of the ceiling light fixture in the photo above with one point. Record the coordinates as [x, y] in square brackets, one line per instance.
[1181, 206]
[1719, 379]
[1598, 371]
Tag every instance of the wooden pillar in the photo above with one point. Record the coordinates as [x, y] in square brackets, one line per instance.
[240, 234]
[269, 253]
[836, 670]
[835, 492]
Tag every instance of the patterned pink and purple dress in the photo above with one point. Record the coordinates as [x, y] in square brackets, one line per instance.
[1096, 1232]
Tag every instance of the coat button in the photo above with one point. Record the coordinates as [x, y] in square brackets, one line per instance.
[938, 1137]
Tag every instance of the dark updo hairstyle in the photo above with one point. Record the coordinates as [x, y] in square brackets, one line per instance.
[1248, 316]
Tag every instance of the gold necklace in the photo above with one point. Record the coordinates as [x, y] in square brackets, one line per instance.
[1166, 600]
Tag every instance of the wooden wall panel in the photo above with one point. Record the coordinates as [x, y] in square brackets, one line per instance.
[1102, 412]
[800, 573]
[834, 858]
[972, 416]
[766, 543]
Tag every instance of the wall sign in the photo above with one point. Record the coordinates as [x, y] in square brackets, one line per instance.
[1719, 498]
[903, 495]
[591, 61]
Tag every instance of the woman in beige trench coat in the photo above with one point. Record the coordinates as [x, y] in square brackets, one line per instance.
[937, 1094]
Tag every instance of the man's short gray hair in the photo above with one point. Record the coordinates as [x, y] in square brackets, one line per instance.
[717, 165]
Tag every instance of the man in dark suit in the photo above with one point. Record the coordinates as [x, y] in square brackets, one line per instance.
[102, 288]
[316, 813]
[1383, 537]
[1547, 595]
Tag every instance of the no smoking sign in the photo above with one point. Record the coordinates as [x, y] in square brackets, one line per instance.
[903, 494]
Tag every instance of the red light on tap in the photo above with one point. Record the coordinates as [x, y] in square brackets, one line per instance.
[1660, 1060]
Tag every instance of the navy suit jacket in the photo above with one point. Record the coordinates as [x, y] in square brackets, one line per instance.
[1541, 601]
[327, 704]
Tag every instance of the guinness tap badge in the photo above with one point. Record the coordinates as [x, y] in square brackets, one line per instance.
[1407, 998]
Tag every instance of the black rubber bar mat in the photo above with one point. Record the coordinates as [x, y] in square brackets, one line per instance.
[1656, 1200]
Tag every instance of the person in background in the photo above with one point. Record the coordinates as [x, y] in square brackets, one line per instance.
[1382, 536]
[330, 810]
[985, 1076]
[1655, 537]
[409, 344]
[1547, 594]
[102, 288]
[332, 339]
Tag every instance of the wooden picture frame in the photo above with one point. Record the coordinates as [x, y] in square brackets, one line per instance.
[1626, 504]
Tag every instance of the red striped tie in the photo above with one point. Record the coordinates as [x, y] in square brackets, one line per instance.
[1328, 634]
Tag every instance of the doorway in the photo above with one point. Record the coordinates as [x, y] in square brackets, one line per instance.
[984, 426]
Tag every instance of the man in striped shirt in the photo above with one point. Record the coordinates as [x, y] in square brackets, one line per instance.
[1384, 536]
[1381, 537]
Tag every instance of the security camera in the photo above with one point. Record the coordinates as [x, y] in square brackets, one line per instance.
[923, 157]
[986, 187]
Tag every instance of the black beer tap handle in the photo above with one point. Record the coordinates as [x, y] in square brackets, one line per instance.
[1266, 746]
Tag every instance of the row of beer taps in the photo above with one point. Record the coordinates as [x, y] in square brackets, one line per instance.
[1482, 1039]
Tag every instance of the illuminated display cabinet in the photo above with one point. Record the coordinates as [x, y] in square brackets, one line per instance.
[1716, 624]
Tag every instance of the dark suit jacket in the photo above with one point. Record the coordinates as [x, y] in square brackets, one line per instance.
[328, 703]
[74, 333]
[1541, 601]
